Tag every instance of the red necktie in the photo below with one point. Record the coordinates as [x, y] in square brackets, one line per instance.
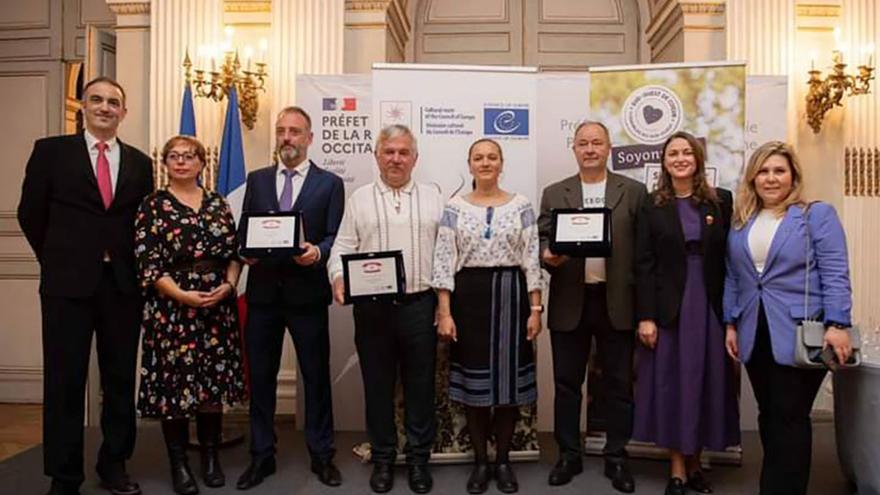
[103, 172]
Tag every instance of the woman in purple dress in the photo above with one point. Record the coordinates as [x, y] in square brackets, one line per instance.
[685, 393]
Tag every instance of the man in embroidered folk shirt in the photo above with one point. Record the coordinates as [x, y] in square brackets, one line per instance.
[593, 297]
[395, 213]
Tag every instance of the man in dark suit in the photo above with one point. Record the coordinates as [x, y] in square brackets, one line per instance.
[292, 293]
[593, 297]
[77, 209]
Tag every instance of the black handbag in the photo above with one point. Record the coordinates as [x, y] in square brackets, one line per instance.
[810, 332]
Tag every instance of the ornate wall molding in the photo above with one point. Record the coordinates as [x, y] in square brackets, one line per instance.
[129, 8]
[367, 5]
[818, 10]
[702, 7]
[247, 7]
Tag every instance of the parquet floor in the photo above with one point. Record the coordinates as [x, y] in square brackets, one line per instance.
[21, 427]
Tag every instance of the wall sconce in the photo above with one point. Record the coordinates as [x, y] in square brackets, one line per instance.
[216, 84]
[825, 94]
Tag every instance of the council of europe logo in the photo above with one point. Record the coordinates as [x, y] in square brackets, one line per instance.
[506, 121]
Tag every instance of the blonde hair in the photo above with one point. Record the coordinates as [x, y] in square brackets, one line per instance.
[748, 203]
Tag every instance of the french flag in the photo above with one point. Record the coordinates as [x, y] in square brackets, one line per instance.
[232, 178]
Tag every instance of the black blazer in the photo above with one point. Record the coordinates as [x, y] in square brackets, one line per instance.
[322, 202]
[64, 220]
[661, 258]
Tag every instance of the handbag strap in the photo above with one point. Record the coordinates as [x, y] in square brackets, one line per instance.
[807, 314]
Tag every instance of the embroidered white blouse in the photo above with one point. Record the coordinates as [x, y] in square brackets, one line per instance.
[479, 236]
[379, 218]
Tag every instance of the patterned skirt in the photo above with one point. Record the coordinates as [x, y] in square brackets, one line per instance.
[492, 363]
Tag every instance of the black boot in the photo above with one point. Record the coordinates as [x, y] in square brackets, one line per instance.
[208, 427]
[176, 432]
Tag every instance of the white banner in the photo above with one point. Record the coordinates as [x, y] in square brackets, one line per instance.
[563, 103]
[342, 111]
[449, 107]
[766, 110]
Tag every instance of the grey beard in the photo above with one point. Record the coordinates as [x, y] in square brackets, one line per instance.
[288, 154]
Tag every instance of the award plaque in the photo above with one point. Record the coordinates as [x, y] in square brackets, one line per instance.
[581, 232]
[271, 233]
[375, 276]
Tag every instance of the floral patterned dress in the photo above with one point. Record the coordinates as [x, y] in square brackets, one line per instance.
[191, 356]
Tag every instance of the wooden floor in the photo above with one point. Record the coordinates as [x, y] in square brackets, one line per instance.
[21, 427]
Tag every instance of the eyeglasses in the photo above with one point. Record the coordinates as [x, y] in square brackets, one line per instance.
[187, 157]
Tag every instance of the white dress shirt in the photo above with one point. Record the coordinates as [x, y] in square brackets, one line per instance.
[379, 218]
[112, 154]
[298, 179]
[594, 197]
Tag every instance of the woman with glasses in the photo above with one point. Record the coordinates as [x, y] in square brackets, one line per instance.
[488, 280]
[185, 245]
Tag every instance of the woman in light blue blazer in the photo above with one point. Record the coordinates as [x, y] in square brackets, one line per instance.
[773, 229]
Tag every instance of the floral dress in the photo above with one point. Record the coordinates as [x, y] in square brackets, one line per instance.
[191, 356]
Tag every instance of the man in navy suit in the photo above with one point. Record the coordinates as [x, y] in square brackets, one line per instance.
[77, 209]
[292, 293]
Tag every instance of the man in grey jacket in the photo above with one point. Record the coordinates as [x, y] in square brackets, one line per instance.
[593, 297]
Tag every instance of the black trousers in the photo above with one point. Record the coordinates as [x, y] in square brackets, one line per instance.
[68, 325]
[390, 338]
[264, 336]
[571, 351]
[785, 397]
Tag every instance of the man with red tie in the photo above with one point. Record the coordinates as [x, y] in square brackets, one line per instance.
[77, 209]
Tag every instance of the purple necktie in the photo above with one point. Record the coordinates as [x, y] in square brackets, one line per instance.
[286, 201]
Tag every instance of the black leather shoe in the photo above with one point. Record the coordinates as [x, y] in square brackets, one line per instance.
[120, 484]
[327, 472]
[61, 488]
[564, 471]
[505, 480]
[114, 478]
[256, 472]
[675, 487]
[620, 477]
[698, 483]
[478, 482]
[382, 479]
[420, 480]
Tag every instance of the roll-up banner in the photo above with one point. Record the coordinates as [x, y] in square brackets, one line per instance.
[448, 108]
[341, 108]
[643, 105]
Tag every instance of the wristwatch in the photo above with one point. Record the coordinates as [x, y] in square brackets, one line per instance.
[538, 307]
